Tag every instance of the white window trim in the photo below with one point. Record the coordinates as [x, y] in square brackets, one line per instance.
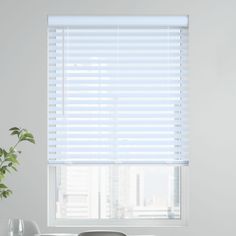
[137, 227]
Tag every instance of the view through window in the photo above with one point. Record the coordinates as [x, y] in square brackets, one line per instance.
[126, 191]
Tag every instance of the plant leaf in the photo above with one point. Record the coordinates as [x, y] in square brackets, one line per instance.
[27, 137]
[4, 153]
[15, 132]
[14, 128]
[1, 176]
[3, 186]
[12, 158]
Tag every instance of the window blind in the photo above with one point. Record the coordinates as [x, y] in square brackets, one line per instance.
[117, 90]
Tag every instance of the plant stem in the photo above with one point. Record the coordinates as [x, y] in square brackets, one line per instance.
[16, 144]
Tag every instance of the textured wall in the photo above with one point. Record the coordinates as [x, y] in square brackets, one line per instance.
[23, 82]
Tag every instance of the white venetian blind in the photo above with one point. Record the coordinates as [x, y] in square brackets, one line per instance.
[117, 89]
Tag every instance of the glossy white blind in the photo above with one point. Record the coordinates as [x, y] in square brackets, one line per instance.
[117, 90]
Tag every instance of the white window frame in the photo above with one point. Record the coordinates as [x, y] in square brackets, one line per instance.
[130, 225]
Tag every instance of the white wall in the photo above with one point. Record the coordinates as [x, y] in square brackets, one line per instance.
[23, 73]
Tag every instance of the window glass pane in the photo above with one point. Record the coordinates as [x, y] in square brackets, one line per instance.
[118, 192]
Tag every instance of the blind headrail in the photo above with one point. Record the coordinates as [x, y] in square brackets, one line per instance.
[180, 21]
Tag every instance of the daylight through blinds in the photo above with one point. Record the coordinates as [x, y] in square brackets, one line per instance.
[117, 90]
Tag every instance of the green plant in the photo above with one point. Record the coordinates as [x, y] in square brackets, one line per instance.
[8, 158]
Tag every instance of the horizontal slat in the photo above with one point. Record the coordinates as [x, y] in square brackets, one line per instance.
[106, 59]
[117, 136]
[104, 28]
[118, 141]
[114, 122]
[85, 160]
[115, 89]
[113, 48]
[121, 150]
[145, 80]
[116, 67]
[112, 157]
[111, 60]
[102, 70]
[114, 32]
[124, 160]
[119, 102]
[117, 28]
[99, 156]
[119, 94]
[112, 91]
[130, 123]
[79, 104]
[123, 40]
[166, 115]
[98, 141]
[109, 66]
[149, 101]
[95, 74]
[103, 82]
[111, 76]
[109, 104]
[96, 57]
[145, 34]
[115, 129]
[58, 43]
[116, 109]
[124, 53]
